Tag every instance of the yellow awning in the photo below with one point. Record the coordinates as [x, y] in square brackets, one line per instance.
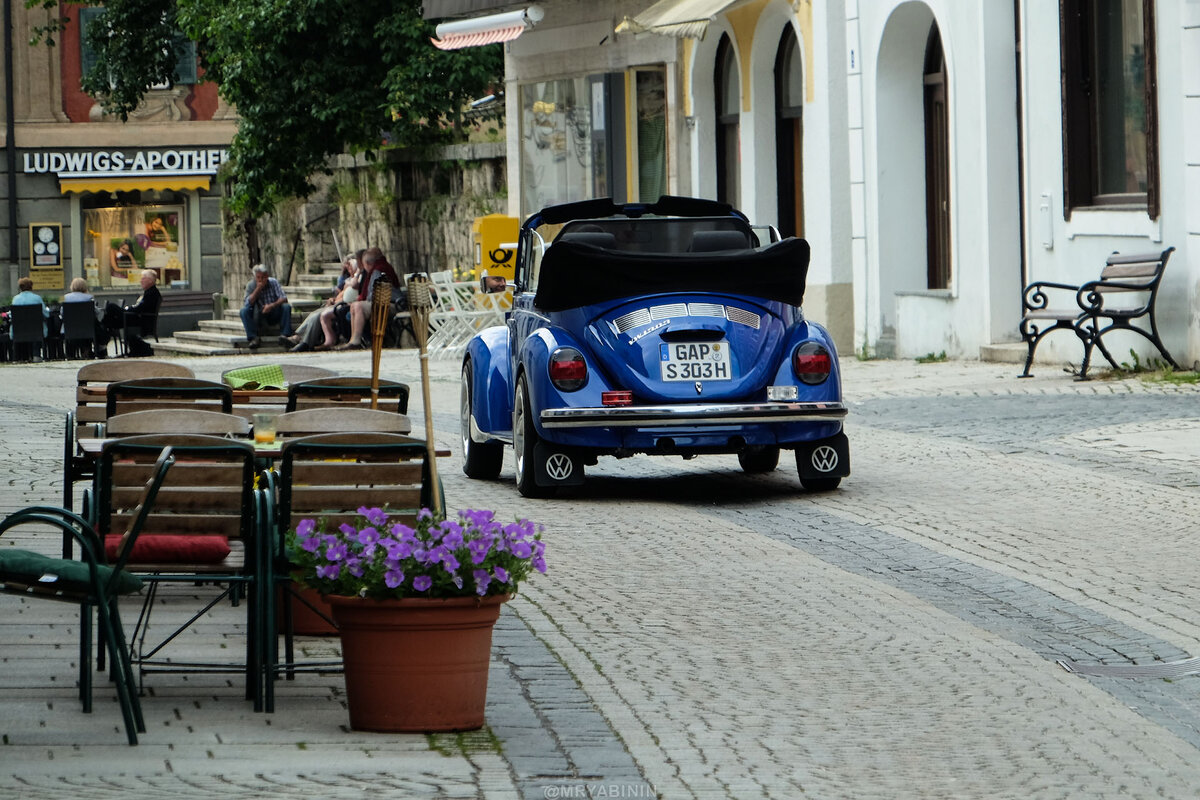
[679, 18]
[129, 183]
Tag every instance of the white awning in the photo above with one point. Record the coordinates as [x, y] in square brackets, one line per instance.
[486, 30]
[680, 18]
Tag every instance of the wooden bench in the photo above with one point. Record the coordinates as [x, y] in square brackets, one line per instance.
[1133, 278]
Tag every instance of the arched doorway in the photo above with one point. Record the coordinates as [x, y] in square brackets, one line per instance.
[789, 135]
[937, 164]
[728, 108]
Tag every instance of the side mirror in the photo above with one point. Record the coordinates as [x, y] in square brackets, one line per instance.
[490, 284]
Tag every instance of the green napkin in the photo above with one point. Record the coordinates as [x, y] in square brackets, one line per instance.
[266, 376]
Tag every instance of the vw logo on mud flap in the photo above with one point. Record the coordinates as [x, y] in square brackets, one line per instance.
[559, 466]
[824, 459]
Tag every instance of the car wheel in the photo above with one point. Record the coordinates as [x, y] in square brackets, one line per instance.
[525, 439]
[759, 459]
[481, 460]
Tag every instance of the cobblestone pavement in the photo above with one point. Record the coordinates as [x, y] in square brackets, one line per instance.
[707, 634]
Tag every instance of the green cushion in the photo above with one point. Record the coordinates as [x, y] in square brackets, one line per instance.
[266, 376]
[34, 568]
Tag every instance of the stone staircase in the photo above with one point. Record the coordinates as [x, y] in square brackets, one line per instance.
[225, 336]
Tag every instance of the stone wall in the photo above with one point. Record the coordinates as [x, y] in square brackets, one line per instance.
[417, 208]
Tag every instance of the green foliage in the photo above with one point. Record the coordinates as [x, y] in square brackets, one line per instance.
[931, 358]
[309, 79]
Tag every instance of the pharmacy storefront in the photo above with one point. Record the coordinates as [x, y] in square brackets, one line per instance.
[112, 213]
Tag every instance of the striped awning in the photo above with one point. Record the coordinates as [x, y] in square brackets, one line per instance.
[461, 40]
[492, 29]
[129, 183]
[684, 19]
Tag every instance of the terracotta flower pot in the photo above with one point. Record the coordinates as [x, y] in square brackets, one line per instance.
[305, 621]
[416, 664]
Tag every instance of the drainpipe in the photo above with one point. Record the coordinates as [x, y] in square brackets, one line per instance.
[10, 137]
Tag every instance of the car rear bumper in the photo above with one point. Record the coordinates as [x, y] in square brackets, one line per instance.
[691, 415]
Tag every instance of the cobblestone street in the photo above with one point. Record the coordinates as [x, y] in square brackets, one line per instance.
[702, 633]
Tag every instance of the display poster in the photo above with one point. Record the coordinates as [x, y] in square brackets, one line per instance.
[45, 256]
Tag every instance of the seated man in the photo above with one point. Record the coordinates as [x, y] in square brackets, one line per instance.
[265, 302]
[142, 315]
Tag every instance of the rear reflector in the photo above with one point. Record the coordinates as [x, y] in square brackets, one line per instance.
[622, 397]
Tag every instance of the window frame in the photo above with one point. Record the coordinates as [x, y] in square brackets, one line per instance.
[1077, 33]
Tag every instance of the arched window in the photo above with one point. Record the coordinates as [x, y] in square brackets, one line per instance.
[728, 94]
[937, 164]
[789, 135]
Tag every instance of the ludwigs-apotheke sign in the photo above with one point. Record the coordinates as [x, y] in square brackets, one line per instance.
[114, 163]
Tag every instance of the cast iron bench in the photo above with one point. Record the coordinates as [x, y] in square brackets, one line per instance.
[1134, 277]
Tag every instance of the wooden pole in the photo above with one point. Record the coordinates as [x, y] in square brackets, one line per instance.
[419, 304]
[381, 307]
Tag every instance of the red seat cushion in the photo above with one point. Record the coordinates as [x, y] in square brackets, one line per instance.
[151, 549]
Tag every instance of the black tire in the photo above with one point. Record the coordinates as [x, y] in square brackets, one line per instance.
[759, 459]
[481, 460]
[525, 439]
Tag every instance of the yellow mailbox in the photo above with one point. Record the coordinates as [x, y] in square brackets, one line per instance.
[495, 239]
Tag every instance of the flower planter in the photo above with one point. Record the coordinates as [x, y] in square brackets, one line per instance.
[416, 664]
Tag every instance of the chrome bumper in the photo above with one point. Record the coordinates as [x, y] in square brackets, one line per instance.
[690, 415]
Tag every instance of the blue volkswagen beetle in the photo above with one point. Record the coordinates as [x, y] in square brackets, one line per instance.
[663, 328]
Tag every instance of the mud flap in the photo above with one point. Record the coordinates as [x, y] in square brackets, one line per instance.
[555, 467]
[824, 458]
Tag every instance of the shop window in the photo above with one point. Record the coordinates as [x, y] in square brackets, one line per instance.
[728, 94]
[568, 149]
[122, 240]
[185, 67]
[1109, 101]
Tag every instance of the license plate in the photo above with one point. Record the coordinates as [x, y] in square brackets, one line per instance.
[695, 361]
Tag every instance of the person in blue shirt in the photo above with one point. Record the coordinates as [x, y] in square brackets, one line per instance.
[27, 297]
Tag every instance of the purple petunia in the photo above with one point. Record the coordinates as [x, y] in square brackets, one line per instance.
[421, 583]
[393, 578]
[482, 579]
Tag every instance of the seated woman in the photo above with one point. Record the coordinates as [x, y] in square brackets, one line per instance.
[79, 294]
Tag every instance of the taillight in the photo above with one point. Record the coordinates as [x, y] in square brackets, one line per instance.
[568, 370]
[812, 363]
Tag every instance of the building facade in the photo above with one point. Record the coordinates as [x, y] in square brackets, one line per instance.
[937, 154]
[86, 195]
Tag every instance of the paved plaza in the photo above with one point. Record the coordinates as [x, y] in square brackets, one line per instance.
[702, 633]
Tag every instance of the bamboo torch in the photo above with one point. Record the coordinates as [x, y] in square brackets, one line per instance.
[419, 304]
[381, 302]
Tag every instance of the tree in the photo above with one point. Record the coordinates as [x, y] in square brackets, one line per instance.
[309, 79]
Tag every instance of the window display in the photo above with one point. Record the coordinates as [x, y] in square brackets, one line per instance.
[124, 240]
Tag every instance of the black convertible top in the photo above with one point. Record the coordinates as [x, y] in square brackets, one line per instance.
[575, 274]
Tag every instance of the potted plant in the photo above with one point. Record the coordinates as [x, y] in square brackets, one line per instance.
[415, 607]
